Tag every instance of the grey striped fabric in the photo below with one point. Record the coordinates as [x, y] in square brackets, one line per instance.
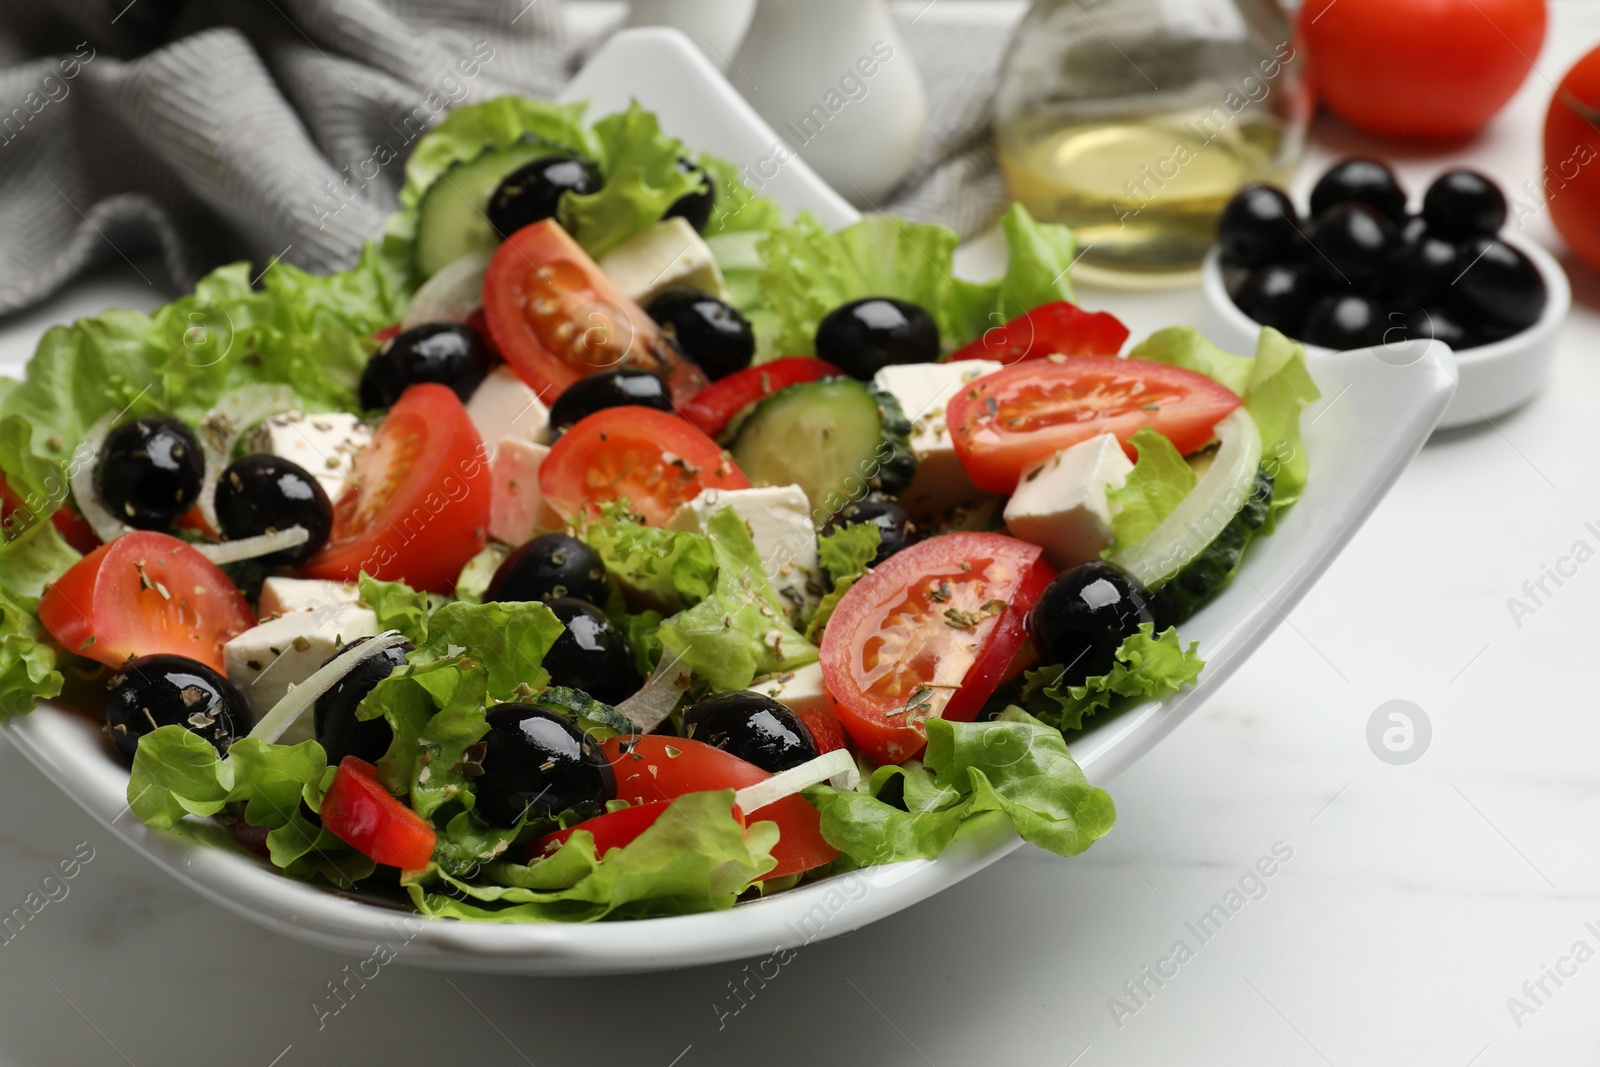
[214, 130]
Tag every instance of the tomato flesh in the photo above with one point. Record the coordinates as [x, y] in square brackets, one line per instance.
[1057, 328]
[17, 515]
[653, 460]
[1569, 148]
[1005, 422]
[145, 593]
[930, 632]
[611, 830]
[714, 407]
[359, 811]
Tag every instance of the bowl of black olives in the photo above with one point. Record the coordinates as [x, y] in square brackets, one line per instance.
[1360, 269]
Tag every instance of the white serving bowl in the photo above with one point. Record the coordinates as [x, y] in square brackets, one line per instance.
[1495, 378]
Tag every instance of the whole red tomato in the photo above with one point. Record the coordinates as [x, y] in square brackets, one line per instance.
[1571, 144]
[1419, 68]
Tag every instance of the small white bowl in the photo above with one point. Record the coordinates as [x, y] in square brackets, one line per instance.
[1495, 378]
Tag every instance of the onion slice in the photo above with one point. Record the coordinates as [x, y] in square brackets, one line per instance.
[297, 701]
[753, 798]
[85, 461]
[220, 429]
[650, 706]
[250, 547]
[451, 295]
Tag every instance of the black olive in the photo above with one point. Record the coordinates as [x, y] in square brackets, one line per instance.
[1351, 244]
[168, 690]
[533, 192]
[895, 528]
[1260, 226]
[608, 389]
[150, 471]
[1404, 321]
[1342, 322]
[338, 730]
[709, 331]
[1500, 282]
[262, 494]
[1364, 181]
[1084, 615]
[1277, 295]
[1414, 230]
[864, 336]
[537, 763]
[1422, 270]
[448, 353]
[753, 727]
[1463, 204]
[550, 567]
[694, 208]
[590, 654]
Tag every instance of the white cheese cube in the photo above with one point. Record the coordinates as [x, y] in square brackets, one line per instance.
[280, 596]
[506, 406]
[923, 390]
[668, 254]
[326, 444]
[801, 690]
[1061, 505]
[266, 661]
[779, 519]
[516, 504]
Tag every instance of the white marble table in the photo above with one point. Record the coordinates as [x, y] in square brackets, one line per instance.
[1415, 900]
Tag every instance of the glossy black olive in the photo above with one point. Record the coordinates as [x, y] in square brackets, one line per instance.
[1414, 230]
[709, 331]
[1500, 282]
[537, 763]
[338, 730]
[1463, 204]
[1422, 271]
[1404, 320]
[590, 654]
[1343, 322]
[533, 192]
[262, 494]
[448, 353]
[150, 471]
[1364, 181]
[609, 389]
[895, 528]
[550, 567]
[1351, 244]
[1277, 295]
[753, 727]
[1084, 615]
[1260, 226]
[694, 208]
[864, 336]
[167, 690]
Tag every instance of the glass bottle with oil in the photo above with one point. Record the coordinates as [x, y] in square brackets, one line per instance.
[1134, 122]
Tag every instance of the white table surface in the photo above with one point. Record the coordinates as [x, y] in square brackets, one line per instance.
[1418, 898]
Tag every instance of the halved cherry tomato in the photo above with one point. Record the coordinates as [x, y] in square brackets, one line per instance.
[928, 632]
[653, 460]
[613, 829]
[145, 593]
[652, 768]
[73, 528]
[556, 317]
[359, 811]
[823, 725]
[1007, 421]
[713, 407]
[388, 333]
[419, 502]
[1057, 328]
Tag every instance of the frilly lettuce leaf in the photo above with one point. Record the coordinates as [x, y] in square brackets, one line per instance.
[1038, 255]
[466, 131]
[176, 772]
[642, 179]
[1160, 479]
[845, 554]
[736, 208]
[667, 569]
[1148, 666]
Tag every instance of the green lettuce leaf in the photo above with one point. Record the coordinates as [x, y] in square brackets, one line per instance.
[1038, 255]
[466, 131]
[1158, 482]
[736, 208]
[667, 569]
[845, 553]
[32, 555]
[176, 772]
[641, 180]
[397, 606]
[27, 657]
[1148, 666]
[1187, 347]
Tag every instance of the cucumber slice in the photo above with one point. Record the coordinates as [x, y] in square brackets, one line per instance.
[451, 219]
[837, 438]
[1214, 567]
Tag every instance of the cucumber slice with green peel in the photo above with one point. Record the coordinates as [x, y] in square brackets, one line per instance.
[452, 217]
[1215, 566]
[837, 438]
[1225, 487]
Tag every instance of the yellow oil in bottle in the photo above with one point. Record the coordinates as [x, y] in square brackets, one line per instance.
[1143, 194]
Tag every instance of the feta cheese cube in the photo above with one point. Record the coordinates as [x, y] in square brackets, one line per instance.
[667, 254]
[266, 661]
[516, 504]
[779, 518]
[801, 690]
[1061, 504]
[326, 444]
[923, 390]
[280, 596]
[506, 406]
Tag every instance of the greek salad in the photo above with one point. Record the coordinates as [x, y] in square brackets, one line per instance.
[606, 544]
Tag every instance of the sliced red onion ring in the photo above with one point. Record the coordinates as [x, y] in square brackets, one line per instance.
[836, 764]
[451, 295]
[297, 701]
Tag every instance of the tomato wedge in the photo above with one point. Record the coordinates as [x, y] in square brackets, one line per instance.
[555, 317]
[653, 460]
[17, 515]
[712, 408]
[1007, 421]
[144, 593]
[929, 632]
[359, 811]
[419, 502]
[1057, 328]
[654, 768]
[611, 830]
